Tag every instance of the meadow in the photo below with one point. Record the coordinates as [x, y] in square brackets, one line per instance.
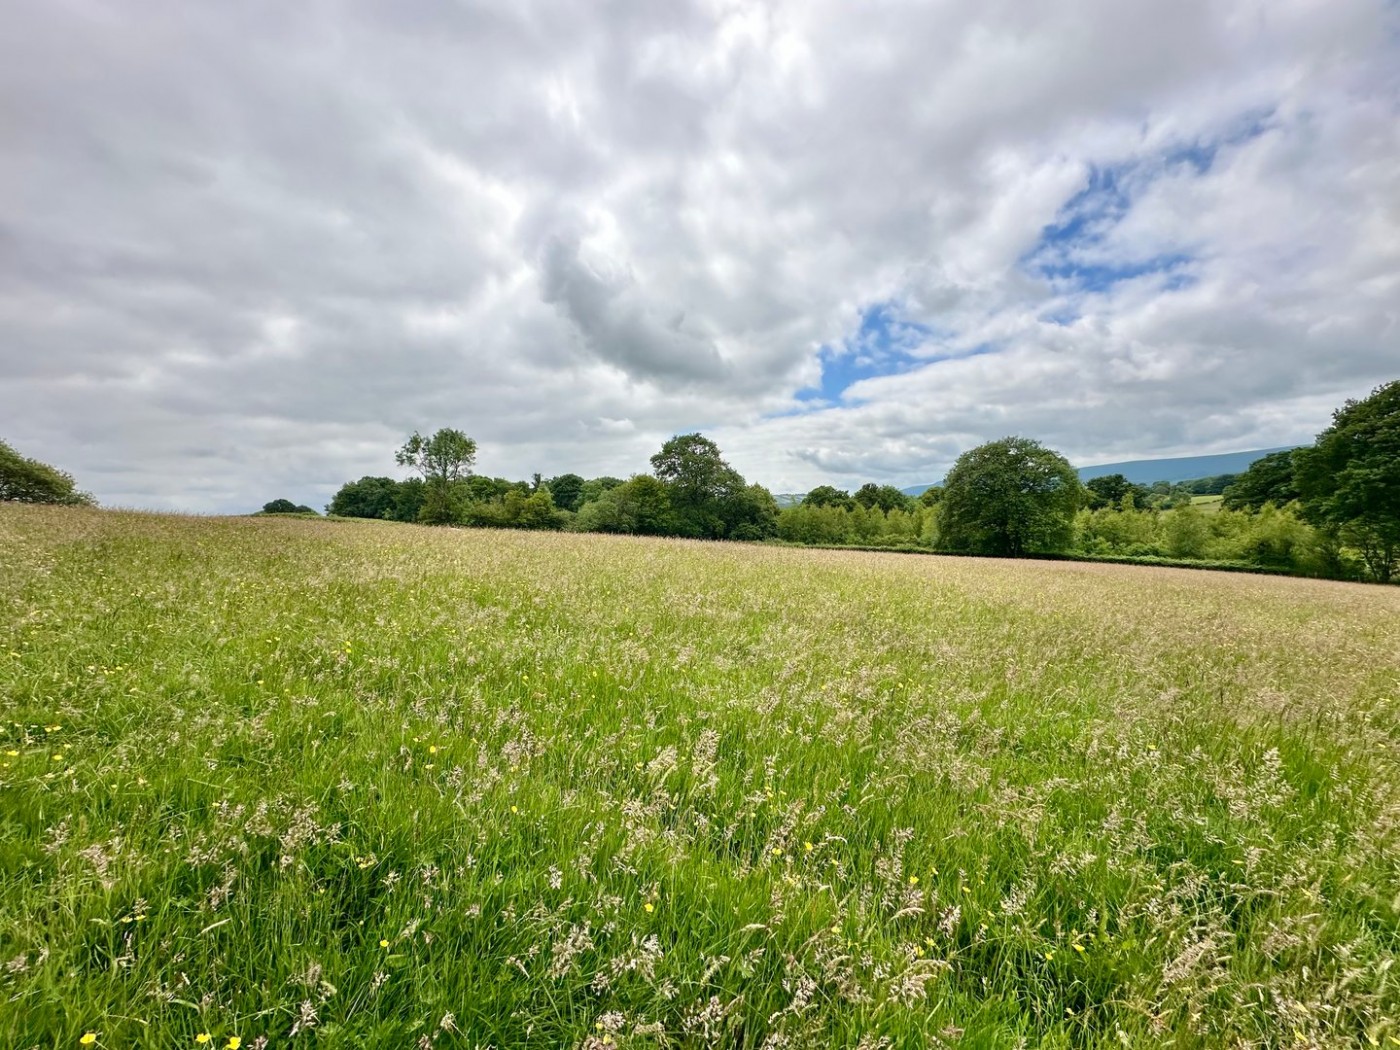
[277, 782]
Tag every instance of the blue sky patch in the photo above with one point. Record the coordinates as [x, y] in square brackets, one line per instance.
[883, 345]
[1072, 253]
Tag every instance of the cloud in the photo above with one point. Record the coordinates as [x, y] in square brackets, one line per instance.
[245, 249]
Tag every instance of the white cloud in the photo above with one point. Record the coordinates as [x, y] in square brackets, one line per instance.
[244, 249]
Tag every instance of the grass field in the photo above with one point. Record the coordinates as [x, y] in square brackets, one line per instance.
[287, 783]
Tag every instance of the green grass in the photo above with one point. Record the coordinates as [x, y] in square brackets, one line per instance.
[389, 786]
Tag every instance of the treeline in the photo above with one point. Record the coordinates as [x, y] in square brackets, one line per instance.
[691, 492]
[1332, 509]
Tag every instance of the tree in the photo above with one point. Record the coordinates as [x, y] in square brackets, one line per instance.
[24, 480]
[886, 497]
[1111, 489]
[286, 506]
[827, 496]
[1349, 481]
[751, 515]
[698, 482]
[640, 506]
[367, 498]
[567, 490]
[931, 496]
[1269, 479]
[1010, 498]
[593, 488]
[443, 460]
[445, 457]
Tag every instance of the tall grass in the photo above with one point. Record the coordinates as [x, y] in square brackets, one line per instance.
[286, 782]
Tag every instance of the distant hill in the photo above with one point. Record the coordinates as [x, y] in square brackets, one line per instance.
[1146, 471]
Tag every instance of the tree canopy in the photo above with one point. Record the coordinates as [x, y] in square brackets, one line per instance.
[24, 480]
[1349, 480]
[1269, 479]
[1110, 490]
[445, 457]
[1009, 498]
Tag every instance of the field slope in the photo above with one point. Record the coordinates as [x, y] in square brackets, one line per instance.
[292, 782]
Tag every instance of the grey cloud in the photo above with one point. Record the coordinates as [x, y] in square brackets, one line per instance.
[248, 247]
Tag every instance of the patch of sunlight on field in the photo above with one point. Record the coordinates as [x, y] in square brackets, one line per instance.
[369, 785]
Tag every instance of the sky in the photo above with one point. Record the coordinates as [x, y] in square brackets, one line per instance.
[247, 248]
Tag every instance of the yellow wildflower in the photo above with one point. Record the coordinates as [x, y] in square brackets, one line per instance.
[648, 907]
[202, 1038]
[913, 880]
[383, 944]
[234, 1042]
[88, 1038]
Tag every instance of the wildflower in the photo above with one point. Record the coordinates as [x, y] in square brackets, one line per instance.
[648, 907]
[515, 809]
[202, 1038]
[58, 758]
[808, 847]
[432, 749]
[234, 1042]
[12, 754]
[88, 1038]
[913, 880]
[383, 943]
[777, 850]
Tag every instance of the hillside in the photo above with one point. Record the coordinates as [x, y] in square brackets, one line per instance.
[409, 786]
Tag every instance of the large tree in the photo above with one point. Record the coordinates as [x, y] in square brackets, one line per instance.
[24, 480]
[1349, 481]
[699, 484]
[1009, 498]
[444, 459]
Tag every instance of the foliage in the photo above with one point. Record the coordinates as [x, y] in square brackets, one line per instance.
[1009, 498]
[1269, 479]
[369, 497]
[885, 497]
[699, 484]
[567, 490]
[24, 480]
[445, 457]
[593, 488]
[833, 524]
[375, 783]
[827, 496]
[1349, 481]
[1111, 490]
[285, 506]
[640, 506]
[1213, 485]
